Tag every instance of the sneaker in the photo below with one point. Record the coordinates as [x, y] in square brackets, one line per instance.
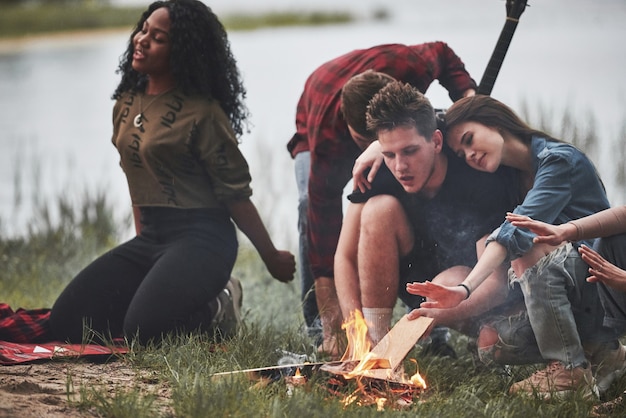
[608, 365]
[227, 318]
[556, 381]
[613, 408]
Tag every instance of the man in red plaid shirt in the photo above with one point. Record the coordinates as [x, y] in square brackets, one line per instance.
[329, 137]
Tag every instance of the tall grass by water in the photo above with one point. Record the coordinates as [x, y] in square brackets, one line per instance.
[65, 234]
[33, 18]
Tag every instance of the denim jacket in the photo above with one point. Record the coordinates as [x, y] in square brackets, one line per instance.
[566, 187]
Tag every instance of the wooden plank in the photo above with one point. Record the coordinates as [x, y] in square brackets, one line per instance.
[400, 339]
[389, 352]
[275, 371]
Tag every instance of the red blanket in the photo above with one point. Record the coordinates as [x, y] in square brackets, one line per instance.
[15, 353]
[25, 336]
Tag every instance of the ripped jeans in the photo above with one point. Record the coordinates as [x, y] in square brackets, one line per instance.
[563, 311]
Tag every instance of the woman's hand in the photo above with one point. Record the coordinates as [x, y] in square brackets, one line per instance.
[603, 271]
[546, 233]
[370, 158]
[281, 265]
[437, 296]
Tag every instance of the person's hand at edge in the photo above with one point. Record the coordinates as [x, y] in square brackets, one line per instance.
[546, 233]
[372, 159]
[438, 296]
[281, 265]
[601, 270]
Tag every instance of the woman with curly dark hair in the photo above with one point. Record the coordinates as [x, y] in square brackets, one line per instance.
[178, 114]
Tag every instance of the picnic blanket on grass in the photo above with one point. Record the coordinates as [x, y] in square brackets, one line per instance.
[19, 353]
[25, 337]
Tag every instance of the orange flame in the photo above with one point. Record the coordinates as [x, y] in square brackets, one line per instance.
[359, 349]
[359, 345]
[417, 379]
[296, 380]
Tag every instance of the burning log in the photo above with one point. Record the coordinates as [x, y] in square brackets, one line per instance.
[385, 360]
[379, 373]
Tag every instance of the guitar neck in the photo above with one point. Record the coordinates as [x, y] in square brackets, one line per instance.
[497, 57]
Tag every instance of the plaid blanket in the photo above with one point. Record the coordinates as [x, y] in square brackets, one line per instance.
[24, 326]
[25, 337]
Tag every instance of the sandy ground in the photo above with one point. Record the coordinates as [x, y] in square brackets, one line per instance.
[53, 389]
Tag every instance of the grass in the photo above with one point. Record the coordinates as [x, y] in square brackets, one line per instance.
[26, 20]
[185, 365]
[37, 265]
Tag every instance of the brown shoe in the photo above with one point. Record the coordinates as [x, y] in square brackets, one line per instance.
[556, 381]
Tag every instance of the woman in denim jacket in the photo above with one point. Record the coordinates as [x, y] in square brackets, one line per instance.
[560, 184]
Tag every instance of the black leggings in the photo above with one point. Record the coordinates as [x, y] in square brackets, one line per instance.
[158, 282]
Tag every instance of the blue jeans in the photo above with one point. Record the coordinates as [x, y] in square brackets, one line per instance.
[309, 304]
[613, 249]
[564, 310]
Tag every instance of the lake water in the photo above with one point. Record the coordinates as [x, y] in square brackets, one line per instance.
[55, 107]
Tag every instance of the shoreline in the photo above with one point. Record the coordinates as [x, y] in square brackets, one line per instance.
[19, 43]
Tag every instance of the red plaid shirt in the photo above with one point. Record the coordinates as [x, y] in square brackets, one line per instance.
[321, 129]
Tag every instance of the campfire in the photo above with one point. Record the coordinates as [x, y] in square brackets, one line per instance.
[379, 372]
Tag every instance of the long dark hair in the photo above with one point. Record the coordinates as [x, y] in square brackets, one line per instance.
[201, 60]
[490, 112]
